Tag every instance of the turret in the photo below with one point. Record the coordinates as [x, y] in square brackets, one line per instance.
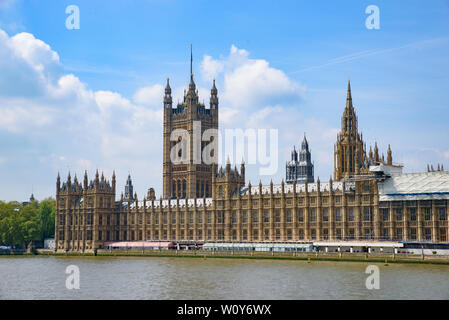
[97, 179]
[389, 156]
[168, 101]
[113, 182]
[58, 183]
[69, 181]
[376, 153]
[129, 188]
[294, 154]
[85, 182]
[214, 97]
[242, 170]
[151, 194]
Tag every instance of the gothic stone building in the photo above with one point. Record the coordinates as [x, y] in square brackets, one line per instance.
[368, 198]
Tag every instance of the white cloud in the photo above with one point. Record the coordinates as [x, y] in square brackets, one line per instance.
[151, 96]
[210, 68]
[54, 113]
[248, 83]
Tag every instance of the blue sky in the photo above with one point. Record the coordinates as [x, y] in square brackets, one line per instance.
[91, 98]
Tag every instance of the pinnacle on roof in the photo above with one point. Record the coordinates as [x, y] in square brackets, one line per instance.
[349, 96]
[167, 87]
[305, 144]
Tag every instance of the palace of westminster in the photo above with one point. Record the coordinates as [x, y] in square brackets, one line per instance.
[368, 197]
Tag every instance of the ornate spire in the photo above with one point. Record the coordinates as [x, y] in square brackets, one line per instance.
[167, 98]
[389, 156]
[58, 183]
[191, 95]
[294, 154]
[376, 152]
[85, 182]
[305, 144]
[349, 97]
[214, 97]
[129, 188]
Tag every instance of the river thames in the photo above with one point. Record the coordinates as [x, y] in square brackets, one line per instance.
[186, 278]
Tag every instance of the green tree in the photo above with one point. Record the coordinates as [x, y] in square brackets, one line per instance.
[21, 224]
[46, 221]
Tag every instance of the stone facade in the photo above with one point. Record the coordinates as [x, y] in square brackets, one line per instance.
[187, 179]
[348, 207]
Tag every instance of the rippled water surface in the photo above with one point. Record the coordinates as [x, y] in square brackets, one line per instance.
[184, 278]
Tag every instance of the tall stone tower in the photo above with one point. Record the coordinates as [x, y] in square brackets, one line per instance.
[349, 153]
[186, 174]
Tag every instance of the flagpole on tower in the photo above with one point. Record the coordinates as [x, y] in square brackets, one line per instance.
[191, 60]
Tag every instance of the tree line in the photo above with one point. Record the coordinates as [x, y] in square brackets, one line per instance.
[20, 224]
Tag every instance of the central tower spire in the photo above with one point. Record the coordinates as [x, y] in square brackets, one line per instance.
[191, 94]
[349, 97]
[349, 151]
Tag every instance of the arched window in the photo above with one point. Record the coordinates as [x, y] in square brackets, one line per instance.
[220, 191]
